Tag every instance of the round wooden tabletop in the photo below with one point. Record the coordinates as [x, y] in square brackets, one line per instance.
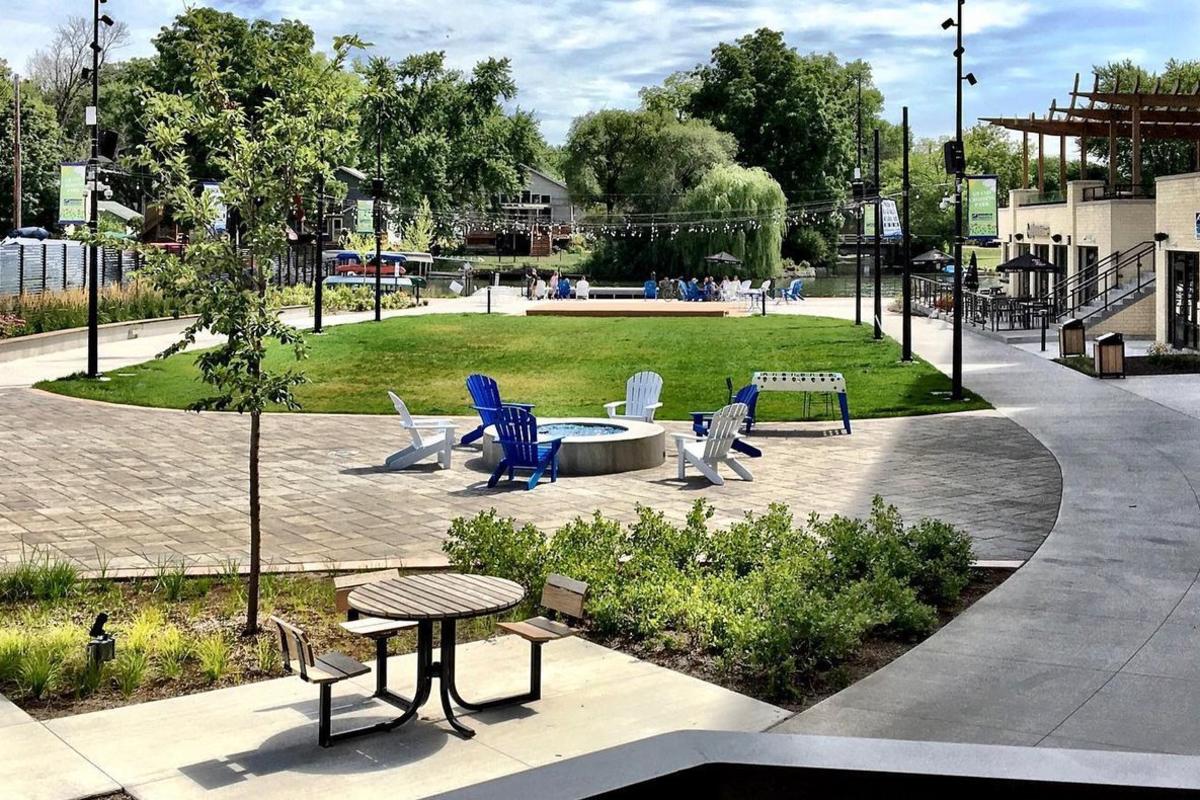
[435, 596]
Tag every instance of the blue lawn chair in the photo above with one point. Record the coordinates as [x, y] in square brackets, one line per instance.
[794, 291]
[650, 290]
[691, 292]
[747, 395]
[485, 398]
[564, 289]
[516, 430]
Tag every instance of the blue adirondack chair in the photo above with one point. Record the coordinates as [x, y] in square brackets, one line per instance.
[794, 291]
[517, 432]
[485, 397]
[747, 395]
[650, 290]
[564, 289]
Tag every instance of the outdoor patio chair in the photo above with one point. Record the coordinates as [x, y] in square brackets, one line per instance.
[794, 291]
[747, 396]
[324, 670]
[707, 453]
[517, 433]
[753, 295]
[485, 395]
[564, 596]
[429, 438]
[641, 398]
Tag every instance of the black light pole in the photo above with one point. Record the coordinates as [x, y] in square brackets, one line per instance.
[377, 186]
[959, 159]
[93, 176]
[319, 272]
[878, 246]
[906, 319]
[858, 242]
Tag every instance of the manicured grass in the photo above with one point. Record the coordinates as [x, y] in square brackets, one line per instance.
[566, 366]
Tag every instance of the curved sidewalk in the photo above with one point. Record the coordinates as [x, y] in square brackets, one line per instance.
[1092, 644]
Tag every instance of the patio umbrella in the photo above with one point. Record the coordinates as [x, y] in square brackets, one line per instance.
[723, 258]
[935, 257]
[971, 280]
[1027, 262]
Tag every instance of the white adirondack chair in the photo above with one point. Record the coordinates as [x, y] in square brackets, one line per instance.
[706, 453]
[753, 296]
[429, 438]
[641, 398]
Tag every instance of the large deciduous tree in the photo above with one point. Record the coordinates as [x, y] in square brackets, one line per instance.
[446, 135]
[265, 147]
[735, 193]
[41, 154]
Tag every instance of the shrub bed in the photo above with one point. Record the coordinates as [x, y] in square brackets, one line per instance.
[772, 601]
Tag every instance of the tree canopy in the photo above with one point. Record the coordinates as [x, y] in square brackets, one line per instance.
[41, 154]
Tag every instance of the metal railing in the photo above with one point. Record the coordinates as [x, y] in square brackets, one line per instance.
[1106, 282]
[983, 310]
[1118, 192]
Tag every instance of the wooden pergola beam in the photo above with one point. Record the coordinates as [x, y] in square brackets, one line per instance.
[1142, 100]
[1064, 127]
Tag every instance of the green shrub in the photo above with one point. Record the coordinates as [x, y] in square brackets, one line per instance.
[13, 644]
[87, 676]
[493, 544]
[38, 578]
[772, 599]
[212, 653]
[129, 670]
[270, 659]
[172, 650]
[170, 579]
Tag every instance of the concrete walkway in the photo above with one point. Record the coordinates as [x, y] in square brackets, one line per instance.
[1093, 643]
[259, 740]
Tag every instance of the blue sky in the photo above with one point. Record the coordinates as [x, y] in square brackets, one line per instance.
[572, 56]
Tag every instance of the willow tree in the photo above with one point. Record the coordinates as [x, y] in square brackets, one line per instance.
[265, 156]
[744, 213]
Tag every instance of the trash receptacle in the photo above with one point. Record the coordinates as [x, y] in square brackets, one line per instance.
[1110, 356]
[1071, 339]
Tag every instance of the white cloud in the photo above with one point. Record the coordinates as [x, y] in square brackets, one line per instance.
[571, 56]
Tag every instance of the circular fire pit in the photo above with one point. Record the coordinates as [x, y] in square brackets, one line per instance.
[594, 446]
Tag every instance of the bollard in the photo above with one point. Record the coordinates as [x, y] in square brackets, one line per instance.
[764, 301]
[1043, 331]
[489, 299]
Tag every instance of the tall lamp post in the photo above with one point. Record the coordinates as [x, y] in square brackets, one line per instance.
[878, 268]
[858, 229]
[319, 272]
[956, 159]
[377, 190]
[906, 319]
[93, 175]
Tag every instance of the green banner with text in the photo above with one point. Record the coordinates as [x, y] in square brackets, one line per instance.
[983, 209]
[72, 194]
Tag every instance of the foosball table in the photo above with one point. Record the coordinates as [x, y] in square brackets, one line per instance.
[808, 384]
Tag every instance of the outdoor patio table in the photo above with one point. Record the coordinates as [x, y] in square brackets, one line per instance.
[425, 599]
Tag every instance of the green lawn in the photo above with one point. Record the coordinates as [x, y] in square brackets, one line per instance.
[566, 366]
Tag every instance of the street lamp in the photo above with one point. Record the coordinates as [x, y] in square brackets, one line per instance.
[956, 162]
[92, 118]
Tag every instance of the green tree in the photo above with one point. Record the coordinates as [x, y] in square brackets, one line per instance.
[419, 231]
[674, 97]
[1159, 156]
[41, 154]
[600, 153]
[737, 193]
[446, 136]
[265, 154]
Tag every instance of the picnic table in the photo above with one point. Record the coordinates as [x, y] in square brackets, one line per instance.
[443, 598]
[809, 383]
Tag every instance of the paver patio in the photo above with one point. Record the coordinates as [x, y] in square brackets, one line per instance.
[134, 486]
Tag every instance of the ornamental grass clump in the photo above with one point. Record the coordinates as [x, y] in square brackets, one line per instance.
[770, 599]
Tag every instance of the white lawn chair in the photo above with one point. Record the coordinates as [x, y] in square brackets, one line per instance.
[753, 295]
[641, 398]
[539, 290]
[743, 290]
[582, 290]
[708, 452]
[437, 439]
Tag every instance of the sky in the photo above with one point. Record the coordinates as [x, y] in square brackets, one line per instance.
[574, 56]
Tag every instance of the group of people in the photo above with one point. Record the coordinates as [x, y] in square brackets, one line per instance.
[695, 289]
[558, 287]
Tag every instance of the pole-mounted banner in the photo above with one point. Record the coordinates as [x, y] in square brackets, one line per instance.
[983, 208]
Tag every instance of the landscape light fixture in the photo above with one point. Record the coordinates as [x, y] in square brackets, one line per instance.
[106, 19]
[970, 78]
[1161, 237]
[948, 24]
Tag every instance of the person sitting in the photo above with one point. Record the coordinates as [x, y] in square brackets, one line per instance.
[582, 287]
[693, 290]
[666, 289]
[564, 288]
[650, 288]
[711, 291]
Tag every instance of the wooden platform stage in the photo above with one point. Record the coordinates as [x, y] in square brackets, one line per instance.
[633, 308]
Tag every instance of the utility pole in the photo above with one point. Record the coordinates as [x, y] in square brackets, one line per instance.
[906, 319]
[878, 246]
[319, 272]
[858, 243]
[377, 186]
[17, 151]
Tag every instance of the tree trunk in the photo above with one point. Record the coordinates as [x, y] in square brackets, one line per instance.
[255, 528]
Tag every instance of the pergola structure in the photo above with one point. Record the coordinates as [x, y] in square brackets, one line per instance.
[1136, 114]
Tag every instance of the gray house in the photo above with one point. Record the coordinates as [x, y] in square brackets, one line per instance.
[543, 209]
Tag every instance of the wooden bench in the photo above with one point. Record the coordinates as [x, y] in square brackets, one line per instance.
[562, 595]
[324, 670]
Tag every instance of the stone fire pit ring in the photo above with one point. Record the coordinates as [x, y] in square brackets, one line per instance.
[594, 445]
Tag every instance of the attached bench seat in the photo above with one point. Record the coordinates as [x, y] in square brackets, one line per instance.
[563, 595]
[324, 671]
[376, 627]
[539, 629]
